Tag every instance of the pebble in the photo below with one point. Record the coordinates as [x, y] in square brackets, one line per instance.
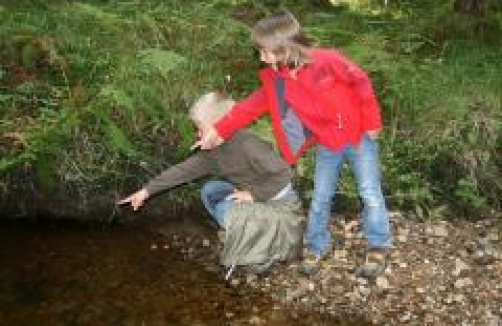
[382, 282]
[438, 284]
[463, 282]
[460, 267]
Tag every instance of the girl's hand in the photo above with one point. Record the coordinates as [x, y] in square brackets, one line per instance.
[208, 140]
[373, 134]
[136, 200]
[241, 196]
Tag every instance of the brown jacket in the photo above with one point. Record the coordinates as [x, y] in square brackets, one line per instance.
[245, 160]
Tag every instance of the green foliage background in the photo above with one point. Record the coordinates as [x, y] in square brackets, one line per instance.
[94, 94]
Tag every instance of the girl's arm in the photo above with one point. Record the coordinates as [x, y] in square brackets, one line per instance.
[354, 75]
[242, 114]
[372, 120]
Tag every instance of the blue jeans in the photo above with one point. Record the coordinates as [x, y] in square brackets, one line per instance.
[364, 163]
[214, 197]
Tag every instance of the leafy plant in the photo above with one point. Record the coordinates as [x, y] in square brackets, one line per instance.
[94, 95]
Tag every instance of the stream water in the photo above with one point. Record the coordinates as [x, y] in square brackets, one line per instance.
[63, 274]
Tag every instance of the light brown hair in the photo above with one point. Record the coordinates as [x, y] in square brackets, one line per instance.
[281, 34]
[211, 107]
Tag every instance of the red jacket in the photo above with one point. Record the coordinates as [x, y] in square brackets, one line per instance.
[331, 96]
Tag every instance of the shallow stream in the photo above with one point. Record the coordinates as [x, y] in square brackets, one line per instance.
[63, 274]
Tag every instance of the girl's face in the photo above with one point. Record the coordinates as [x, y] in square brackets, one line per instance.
[268, 57]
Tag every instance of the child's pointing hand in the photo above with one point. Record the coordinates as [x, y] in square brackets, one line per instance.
[136, 200]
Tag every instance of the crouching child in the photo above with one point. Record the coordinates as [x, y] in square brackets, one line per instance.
[252, 198]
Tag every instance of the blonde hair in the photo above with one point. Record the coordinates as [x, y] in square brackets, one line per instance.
[281, 34]
[211, 107]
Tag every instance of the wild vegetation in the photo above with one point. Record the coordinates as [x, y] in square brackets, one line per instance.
[94, 94]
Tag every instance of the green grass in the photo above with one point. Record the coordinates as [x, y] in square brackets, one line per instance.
[96, 92]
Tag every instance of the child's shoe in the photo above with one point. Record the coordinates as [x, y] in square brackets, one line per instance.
[258, 269]
[375, 263]
[311, 264]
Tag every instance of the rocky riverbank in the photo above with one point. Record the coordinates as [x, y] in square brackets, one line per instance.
[438, 273]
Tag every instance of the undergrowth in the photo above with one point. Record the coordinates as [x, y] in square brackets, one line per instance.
[96, 92]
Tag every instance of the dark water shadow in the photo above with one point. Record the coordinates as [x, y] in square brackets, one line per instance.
[62, 273]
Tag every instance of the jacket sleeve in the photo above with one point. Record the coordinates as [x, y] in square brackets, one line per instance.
[358, 78]
[369, 103]
[194, 167]
[243, 113]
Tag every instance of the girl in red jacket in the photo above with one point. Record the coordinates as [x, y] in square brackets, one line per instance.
[317, 96]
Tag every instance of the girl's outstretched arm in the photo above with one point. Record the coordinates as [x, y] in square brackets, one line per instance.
[243, 113]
